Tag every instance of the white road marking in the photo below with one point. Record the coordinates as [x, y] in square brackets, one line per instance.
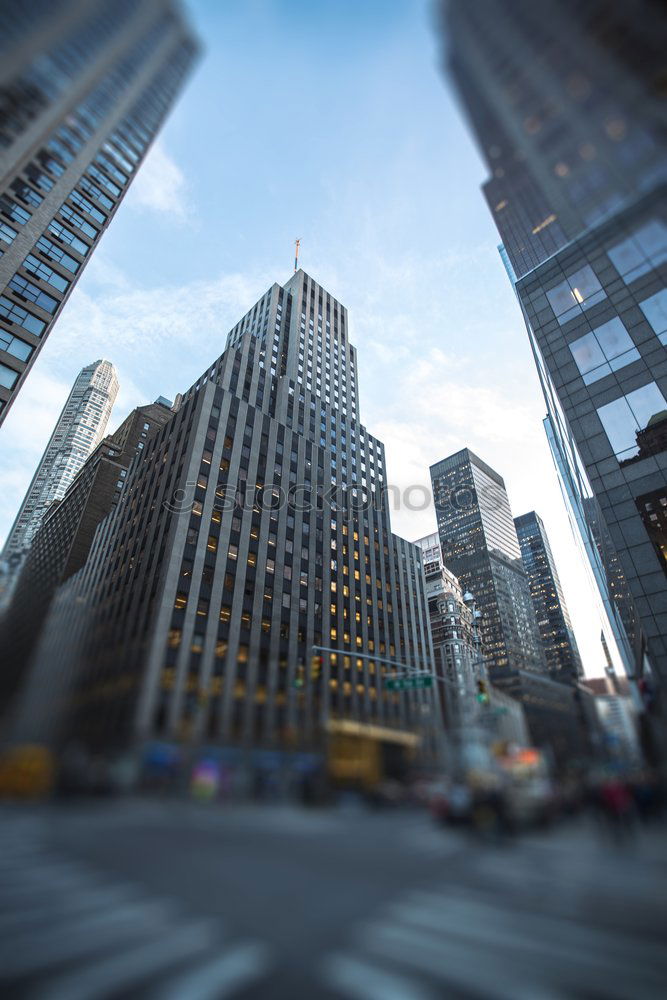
[69, 940]
[40, 910]
[130, 967]
[220, 977]
[363, 981]
[573, 960]
[455, 962]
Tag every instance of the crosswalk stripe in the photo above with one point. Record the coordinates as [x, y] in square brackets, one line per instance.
[39, 910]
[547, 927]
[220, 977]
[364, 981]
[74, 938]
[456, 962]
[129, 967]
[575, 962]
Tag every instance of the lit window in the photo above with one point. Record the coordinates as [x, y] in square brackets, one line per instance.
[579, 291]
[603, 351]
[181, 600]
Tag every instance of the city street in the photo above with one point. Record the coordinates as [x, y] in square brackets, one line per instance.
[163, 899]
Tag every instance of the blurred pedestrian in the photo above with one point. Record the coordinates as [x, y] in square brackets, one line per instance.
[618, 809]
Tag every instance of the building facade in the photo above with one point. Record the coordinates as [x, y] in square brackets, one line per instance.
[80, 428]
[84, 88]
[553, 619]
[479, 545]
[457, 646]
[574, 136]
[61, 545]
[249, 589]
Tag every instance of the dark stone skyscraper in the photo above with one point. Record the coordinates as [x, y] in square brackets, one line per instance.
[479, 545]
[566, 100]
[84, 88]
[253, 529]
[553, 619]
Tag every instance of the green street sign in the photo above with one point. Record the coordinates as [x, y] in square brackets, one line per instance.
[408, 683]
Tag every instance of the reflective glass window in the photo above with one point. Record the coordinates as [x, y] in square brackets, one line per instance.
[15, 346]
[645, 249]
[7, 376]
[606, 349]
[636, 424]
[578, 292]
[655, 310]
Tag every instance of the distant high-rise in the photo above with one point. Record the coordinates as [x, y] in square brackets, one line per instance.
[480, 546]
[61, 545]
[84, 88]
[454, 628]
[79, 430]
[567, 103]
[553, 619]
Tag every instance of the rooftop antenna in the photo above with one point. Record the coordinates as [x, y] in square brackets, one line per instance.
[297, 244]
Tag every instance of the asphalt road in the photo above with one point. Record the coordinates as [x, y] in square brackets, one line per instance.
[158, 900]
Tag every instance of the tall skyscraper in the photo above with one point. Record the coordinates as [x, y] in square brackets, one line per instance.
[567, 102]
[553, 619]
[84, 88]
[479, 545]
[80, 428]
[249, 588]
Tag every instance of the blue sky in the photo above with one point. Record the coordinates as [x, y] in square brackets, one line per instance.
[328, 121]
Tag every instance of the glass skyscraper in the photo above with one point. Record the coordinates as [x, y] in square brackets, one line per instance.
[553, 619]
[567, 103]
[84, 88]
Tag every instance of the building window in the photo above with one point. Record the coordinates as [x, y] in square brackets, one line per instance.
[15, 314]
[14, 345]
[26, 290]
[655, 310]
[636, 424]
[40, 270]
[579, 291]
[603, 351]
[181, 600]
[653, 510]
[8, 377]
[645, 249]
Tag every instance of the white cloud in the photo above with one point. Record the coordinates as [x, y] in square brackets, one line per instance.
[160, 185]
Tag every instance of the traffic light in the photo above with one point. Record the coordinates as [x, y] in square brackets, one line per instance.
[300, 676]
[482, 693]
[316, 664]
